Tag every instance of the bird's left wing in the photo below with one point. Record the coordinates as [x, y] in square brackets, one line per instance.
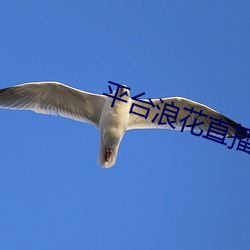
[179, 108]
[54, 98]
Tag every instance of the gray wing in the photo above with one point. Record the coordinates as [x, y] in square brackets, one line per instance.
[55, 99]
[184, 105]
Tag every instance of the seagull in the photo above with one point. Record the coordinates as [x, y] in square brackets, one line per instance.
[55, 98]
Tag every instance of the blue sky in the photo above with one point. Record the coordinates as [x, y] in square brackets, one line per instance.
[168, 190]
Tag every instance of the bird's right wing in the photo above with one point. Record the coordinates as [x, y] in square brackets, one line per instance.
[186, 108]
[55, 99]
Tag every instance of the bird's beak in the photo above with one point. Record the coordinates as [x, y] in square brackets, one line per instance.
[124, 91]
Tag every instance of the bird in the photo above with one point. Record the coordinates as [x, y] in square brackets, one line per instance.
[113, 119]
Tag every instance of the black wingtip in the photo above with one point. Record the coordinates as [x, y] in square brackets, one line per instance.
[243, 132]
[3, 90]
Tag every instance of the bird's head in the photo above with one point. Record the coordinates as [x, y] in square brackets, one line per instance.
[124, 91]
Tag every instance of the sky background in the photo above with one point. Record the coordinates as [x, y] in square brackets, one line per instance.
[168, 190]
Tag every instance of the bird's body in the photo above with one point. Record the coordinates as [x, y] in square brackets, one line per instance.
[113, 125]
[58, 99]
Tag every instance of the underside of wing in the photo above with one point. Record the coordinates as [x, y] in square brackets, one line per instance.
[54, 98]
[178, 113]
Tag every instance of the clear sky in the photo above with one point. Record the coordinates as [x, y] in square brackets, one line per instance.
[168, 190]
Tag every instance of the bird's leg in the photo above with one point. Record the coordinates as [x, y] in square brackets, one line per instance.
[108, 154]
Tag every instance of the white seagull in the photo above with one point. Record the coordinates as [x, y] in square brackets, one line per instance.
[55, 98]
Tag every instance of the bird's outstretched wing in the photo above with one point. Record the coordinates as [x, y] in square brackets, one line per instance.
[179, 108]
[54, 98]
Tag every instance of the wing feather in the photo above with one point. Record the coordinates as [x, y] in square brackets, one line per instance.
[54, 98]
[139, 122]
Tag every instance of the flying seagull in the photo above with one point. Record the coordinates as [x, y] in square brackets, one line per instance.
[55, 98]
